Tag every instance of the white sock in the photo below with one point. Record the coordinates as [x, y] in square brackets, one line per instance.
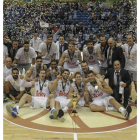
[109, 108]
[122, 110]
[52, 108]
[17, 107]
[65, 109]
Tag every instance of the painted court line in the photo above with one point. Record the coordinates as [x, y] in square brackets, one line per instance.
[75, 136]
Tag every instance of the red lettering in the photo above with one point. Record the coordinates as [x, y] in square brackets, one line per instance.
[66, 94]
[97, 95]
[40, 95]
[61, 93]
[91, 61]
[74, 63]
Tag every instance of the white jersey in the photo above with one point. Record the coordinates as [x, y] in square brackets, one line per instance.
[79, 89]
[53, 76]
[35, 73]
[104, 62]
[6, 71]
[15, 84]
[45, 89]
[5, 51]
[95, 93]
[130, 64]
[62, 88]
[91, 58]
[34, 43]
[84, 75]
[74, 61]
[48, 54]
[25, 57]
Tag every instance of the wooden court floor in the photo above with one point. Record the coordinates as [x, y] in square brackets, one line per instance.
[14, 132]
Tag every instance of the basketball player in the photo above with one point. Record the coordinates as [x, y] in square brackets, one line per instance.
[92, 55]
[35, 42]
[78, 87]
[12, 86]
[5, 52]
[70, 58]
[102, 46]
[54, 70]
[61, 87]
[42, 98]
[85, 68]
[47, 50]
[101, 97]
[131, 59]
[24, 56]
[7, 69]
[35, 69]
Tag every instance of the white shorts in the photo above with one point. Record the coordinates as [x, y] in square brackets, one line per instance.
[63, 101]
[133, 75]
[81, 101]
[71, 68]
[39, 102]
[102, 101]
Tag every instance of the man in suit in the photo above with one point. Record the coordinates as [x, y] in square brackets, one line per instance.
[61, 47]
[114, 53]
[117, 75]
[13, 48]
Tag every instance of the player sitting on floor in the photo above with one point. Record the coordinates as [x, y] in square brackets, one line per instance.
[101, 97]
[42, 99]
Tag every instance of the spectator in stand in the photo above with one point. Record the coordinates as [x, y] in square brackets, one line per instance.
[86, 27]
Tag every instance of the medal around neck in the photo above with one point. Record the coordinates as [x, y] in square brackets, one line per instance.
[128, 56]
[40, 92]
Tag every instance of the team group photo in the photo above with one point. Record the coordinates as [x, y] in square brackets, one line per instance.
[69, 67]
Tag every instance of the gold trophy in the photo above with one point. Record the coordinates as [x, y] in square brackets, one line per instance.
[74, 102]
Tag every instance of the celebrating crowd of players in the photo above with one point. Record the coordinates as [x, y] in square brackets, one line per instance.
[57, 71]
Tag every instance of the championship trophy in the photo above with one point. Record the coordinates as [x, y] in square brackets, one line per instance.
[74, 101]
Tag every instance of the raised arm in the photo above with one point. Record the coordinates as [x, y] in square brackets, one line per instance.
[54, 55]
[104, 87]
[62, 60]
[55, 82]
